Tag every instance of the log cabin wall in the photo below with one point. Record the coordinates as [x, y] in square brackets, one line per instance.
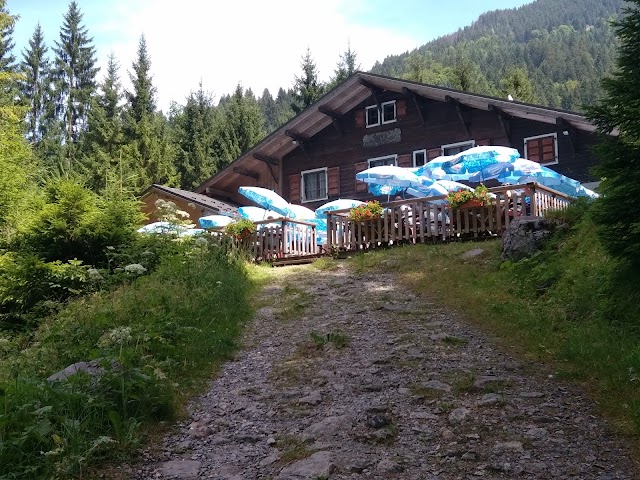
[436, 124]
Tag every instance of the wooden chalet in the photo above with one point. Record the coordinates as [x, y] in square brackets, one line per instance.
[195, 204]
[372, 120]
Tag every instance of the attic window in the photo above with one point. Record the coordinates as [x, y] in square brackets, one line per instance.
[379, 116]
[455, 148]
[542, 149]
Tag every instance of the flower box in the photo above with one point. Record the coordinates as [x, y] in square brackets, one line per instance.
[473, 203]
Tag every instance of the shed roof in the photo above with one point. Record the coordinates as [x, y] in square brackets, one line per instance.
[201, 200]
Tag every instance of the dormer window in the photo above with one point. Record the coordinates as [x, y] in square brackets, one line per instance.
[380, 116]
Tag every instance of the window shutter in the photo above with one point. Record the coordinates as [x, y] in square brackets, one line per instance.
[360, 186]
[433, 153]
[294, 188]
[404, 160]
[483, 143]
[360, 118]
[542, 150]
[333, 181]
[401, 108]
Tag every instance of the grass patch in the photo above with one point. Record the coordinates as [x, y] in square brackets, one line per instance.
[293, 449]
[450, 340]
[158, 340]
[294, 302]
[339, 340]
[570, 305]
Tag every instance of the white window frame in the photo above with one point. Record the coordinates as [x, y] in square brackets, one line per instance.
[555, 146]
[326, 184]
[394, 156]
[366, 116]
[458, 144]
[395, 112]
[424, 152]
[381, 120]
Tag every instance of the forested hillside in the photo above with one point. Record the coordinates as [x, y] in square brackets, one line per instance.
[552, 52]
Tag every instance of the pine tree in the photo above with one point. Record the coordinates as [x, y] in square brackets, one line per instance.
[15, 154]
[238, 128]
[7, 58]
[34, 86]
[517, 84]
[147, 135]
[194, 139]
[616, 213]
[269, 110]
[74, 74]
[346, 67]
[102, 143]
[307, 88]
[468, 77]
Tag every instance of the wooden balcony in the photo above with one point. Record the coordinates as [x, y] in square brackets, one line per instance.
[420, 220]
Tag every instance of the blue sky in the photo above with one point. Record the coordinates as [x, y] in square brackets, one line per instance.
[253, 42]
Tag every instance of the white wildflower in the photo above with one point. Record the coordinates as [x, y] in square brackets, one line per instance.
[182, 214]
[94, 275]
[135, 268]
[218, 283]
[117, 336]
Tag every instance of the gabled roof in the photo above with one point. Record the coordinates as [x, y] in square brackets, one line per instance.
[349, 95]
[196, 198]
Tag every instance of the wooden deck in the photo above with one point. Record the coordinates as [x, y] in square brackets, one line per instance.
[285, 241]
[420, 220]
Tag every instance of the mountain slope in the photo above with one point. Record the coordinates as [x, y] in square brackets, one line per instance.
[565, 46]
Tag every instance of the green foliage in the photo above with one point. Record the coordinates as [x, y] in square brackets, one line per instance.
[75, 223]
[460, 197]
[307, 88]
[34, 87]
[566, 47]
[156, 339]
[516, 82]
[240, 228]
[369, 211]
[74, 74]
[616, 213]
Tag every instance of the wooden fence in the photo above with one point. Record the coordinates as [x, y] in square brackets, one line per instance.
[428, 219]
[278, 238]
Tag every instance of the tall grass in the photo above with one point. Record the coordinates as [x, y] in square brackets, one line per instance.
[570, 305]
[157, 340]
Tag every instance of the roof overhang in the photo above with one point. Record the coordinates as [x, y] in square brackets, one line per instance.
[259, 160]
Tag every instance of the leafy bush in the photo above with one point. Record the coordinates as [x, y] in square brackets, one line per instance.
[241, 228]
[369, 211]
[157, 338]
[75, 223]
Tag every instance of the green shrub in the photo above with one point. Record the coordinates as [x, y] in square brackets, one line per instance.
[158, 338]
[241, 228]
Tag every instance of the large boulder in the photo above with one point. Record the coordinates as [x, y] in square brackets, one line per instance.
[525, 236]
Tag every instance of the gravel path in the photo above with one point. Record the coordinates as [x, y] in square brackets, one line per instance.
[347, 376]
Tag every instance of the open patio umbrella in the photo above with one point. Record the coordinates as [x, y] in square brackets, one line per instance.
[439, 187]
[505, 172]
[267, 199]
[212, 221]
[340, 204]
[464, 164]
[389, 175]
[299, 212]
[256, 214]
[552, 179]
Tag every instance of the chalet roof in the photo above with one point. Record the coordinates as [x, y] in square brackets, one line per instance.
[196, 198]
[262, 157]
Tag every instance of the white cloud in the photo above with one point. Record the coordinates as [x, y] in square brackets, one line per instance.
[255, 42]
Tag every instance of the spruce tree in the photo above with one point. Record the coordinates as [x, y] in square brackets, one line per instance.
[307, 88]
[347, 65]
[7, 58]
[616, 213]
[269, 110]
[517, 84]
[15, 154]
[194, 139]
[239, 127]
[147, 135]
[102, 143]
[34, 86]
[74, 74]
